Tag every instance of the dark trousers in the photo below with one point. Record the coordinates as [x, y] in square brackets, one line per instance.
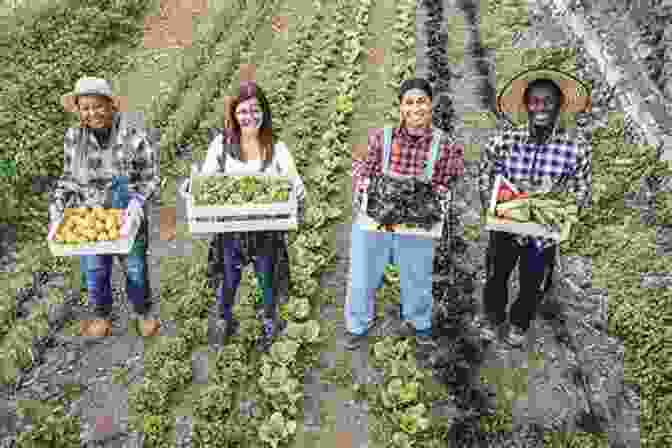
[226, 291]
[535, 266]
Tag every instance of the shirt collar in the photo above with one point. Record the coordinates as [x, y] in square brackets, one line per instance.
[550, 138]
[421, 137]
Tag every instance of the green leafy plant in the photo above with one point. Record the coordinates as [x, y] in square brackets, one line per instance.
[241, 190]
[276, 430]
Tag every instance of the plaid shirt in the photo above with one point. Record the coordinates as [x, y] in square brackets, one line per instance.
[408, 156]
[562, 164]
[129, 152]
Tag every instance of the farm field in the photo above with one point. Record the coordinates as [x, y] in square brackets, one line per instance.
[331, 72]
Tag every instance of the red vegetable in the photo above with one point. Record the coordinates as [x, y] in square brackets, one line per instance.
[504, 195]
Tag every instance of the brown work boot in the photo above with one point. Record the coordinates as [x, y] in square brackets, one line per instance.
[99, 327]
[84, 325]
[150, 327]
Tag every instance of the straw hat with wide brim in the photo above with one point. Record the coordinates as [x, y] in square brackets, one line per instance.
[576, 93]
[89, 86]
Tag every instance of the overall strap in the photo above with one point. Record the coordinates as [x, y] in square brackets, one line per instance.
[436, 143]
[387, 146]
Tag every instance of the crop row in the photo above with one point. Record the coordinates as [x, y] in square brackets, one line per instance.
[401, 403]
[49, 52]
[217, 30]
[278, 352]
[282, 370]
[184, 121]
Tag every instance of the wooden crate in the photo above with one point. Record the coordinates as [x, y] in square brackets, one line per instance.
[120, 246]
[229, 218]
[368, 223]
[533, 229]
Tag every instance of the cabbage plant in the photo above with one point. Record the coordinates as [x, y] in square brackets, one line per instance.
[276, 429]
[414, 420]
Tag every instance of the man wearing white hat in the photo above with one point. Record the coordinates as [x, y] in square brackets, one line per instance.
[110, 164]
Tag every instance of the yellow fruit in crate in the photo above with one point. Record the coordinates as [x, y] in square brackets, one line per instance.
[102, 236]
[110, 223]
[100, 226]
[114, 234]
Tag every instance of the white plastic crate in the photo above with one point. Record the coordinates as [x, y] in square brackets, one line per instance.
[252, 218]
[120, 246]
[520, 228]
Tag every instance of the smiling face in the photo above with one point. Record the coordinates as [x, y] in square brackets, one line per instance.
[416, 111]
[543, 105]
[250, 116]
[95, 111]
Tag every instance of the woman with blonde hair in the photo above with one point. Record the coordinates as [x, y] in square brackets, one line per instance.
[247, 144]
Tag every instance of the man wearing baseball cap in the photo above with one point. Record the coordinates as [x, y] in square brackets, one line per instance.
[111, 164]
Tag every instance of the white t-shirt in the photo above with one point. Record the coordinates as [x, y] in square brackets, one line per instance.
[281, 165]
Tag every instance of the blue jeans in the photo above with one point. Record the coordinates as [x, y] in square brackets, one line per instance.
[98, 268]
[370, 253]
[99, 279]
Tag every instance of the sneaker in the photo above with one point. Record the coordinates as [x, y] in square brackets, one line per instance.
[516, 337]
[425, 342]
[486, 328]
[223, 330]
[150, 327]
[267, 335]
[406, 330]
[98, 328]
[354, 341]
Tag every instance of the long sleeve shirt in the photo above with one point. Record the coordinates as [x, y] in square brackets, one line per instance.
[408, 156]
[281, 165]
[89, 168]
[561, 164]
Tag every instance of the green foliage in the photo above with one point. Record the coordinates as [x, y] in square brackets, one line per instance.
[158, 430]
[67, 40]
[244, 190]
[56, 430]
[50, 51]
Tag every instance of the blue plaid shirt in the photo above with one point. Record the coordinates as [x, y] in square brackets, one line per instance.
[561, 164]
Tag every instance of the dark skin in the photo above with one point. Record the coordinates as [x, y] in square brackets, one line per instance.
[543, 108]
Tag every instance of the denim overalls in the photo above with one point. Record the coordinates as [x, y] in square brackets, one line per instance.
[371, 252]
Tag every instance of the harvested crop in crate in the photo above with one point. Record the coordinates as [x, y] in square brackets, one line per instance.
[82, 225]
[242, 190]
[541, 208]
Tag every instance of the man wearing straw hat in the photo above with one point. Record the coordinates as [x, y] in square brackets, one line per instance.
[110, 164]
[538, 157]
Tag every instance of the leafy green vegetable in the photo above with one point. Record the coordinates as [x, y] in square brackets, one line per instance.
[241, 190]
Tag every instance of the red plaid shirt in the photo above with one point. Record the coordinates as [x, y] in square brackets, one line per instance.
[408, 156]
